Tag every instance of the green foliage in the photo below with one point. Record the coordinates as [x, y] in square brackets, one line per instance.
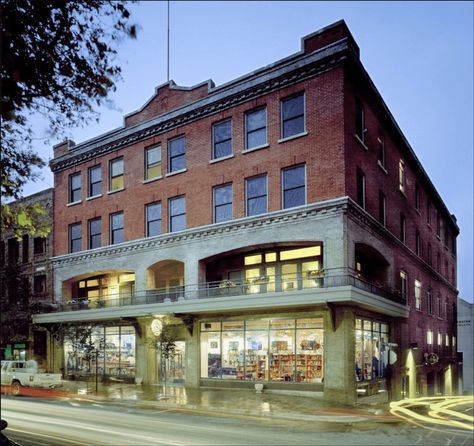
[167, 339]
[19, 218]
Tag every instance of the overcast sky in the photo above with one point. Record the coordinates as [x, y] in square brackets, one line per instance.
[419, 55]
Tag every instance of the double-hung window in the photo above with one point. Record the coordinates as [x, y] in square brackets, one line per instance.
[177, 154]
[417, 197]
[417, 243]
[222, 139]
[75, 187]
[360, 188]
[256, 195]
[360, 121]
[256, 128]
[116, 228]
[222, 196]
[177, 213]
[292, 116]
[95, 233]
[75, 237]
[403, 285]
[403, 228]
[381, 154]
[116, 174]
[95, 181]
[401, 176]
[382, 208]
[153, 219]
[294, 186]
[429, 297]
[417, 294]
[152, 162]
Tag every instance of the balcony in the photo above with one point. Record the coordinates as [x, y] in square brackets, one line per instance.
[283, 285]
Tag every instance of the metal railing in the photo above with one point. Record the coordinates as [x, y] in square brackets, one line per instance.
[285, 283]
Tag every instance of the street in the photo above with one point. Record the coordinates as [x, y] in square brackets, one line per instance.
[37, 422]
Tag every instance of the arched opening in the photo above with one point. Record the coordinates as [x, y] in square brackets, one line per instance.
[166, 276]
[371, 265]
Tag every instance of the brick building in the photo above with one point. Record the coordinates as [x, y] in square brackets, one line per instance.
[26, 286]
[281, 219]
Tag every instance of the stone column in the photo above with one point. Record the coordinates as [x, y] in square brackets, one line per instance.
[145, 360]
[339, 356]
[192, 356]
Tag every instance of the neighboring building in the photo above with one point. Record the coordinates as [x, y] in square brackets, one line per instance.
[465, 344]
[26, 285]
[282, 219]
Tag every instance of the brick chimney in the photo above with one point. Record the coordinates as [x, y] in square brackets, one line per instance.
[63, 147]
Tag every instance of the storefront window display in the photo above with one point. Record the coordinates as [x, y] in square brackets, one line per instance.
[112, 347]
[371, 350]
[263, 350]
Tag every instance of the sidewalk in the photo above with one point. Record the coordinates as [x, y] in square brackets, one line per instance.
[268, 404]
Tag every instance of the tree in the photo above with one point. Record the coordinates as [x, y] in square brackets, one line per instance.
[59, 61]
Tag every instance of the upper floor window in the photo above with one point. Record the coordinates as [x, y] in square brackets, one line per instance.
[438, 225]
[13, 250]
[2, 253]
[438, 262]
[39, 245]
[292, 116]
[116, 228]
[446, 235]
[25, 248]
[360, 121]
[75, 237]
[382, 208]
[429, 298]
[417, 197]
[222, 196]
[428, 213]
[39, 284]
[403, 285]
[417, 243]
[256, 128]
[116, 174]
[256, 195]
[152, 162]
[360, 188]
[294, 186]
[401, 176]
[75, 187]
[403, 226]
[222, 139]
[177, 154]
[429, 337]
[177, 213]
[439, 307]
[417, 294]
[95, 233]
[153, 219]
[430, 255]
[95, 181]
[381, 154]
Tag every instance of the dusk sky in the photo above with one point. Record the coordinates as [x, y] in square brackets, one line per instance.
[419, 55]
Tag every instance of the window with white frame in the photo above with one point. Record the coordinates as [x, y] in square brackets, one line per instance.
[294, 186]
[360, 179]
[381, 154]
[153, 219]
[177, 154]
[116, 174]
[222, 198]
[75, 187]
[153, 162]
[177, 213]
[256, 128]
[403, 285]
[429, 298]
[360, 121]
[95, 181]
[222, 139]
[401, 176]
[256, 195]
[292, 116]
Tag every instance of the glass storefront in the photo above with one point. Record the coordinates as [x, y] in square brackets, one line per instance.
[263, 350]
[371, 350]
[109, 351]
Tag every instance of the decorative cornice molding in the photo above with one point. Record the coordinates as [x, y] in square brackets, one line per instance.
[307, 66]
[313, 211]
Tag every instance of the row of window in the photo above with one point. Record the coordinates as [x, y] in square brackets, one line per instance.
[292, 124]
[13, 249]
[361, 134]
[442, 311]
[256, 202]
[430, 340]
[382, 218]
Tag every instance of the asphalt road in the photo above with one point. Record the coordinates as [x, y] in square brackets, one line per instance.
[38, 422]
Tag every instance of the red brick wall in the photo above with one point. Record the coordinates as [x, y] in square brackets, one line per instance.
[322, 150]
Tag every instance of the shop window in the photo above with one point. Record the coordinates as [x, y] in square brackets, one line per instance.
[153, 219]
[95, 181]
[177, 213]
[222, 139]
[116, 177]
[116, 228]
[75, 187]
[417, 294]
[294, 186]
[39, 245]
[429, 338]
[152, 162]
[95, 233]
[256, 195]
[360, 188]
[263, 350]
[256, 128]
[177, 154]
[75, 238]
[222, 199]
[371, 349]
[25, 248]
[292, 116]
[39, 284]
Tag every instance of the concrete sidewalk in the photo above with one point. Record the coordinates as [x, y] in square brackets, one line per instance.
[268, 404]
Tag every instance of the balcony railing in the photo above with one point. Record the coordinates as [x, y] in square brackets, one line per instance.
[253, 286]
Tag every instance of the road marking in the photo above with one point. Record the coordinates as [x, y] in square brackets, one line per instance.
[61, 439]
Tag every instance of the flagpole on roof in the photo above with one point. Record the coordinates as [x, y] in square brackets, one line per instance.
[168, 44]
